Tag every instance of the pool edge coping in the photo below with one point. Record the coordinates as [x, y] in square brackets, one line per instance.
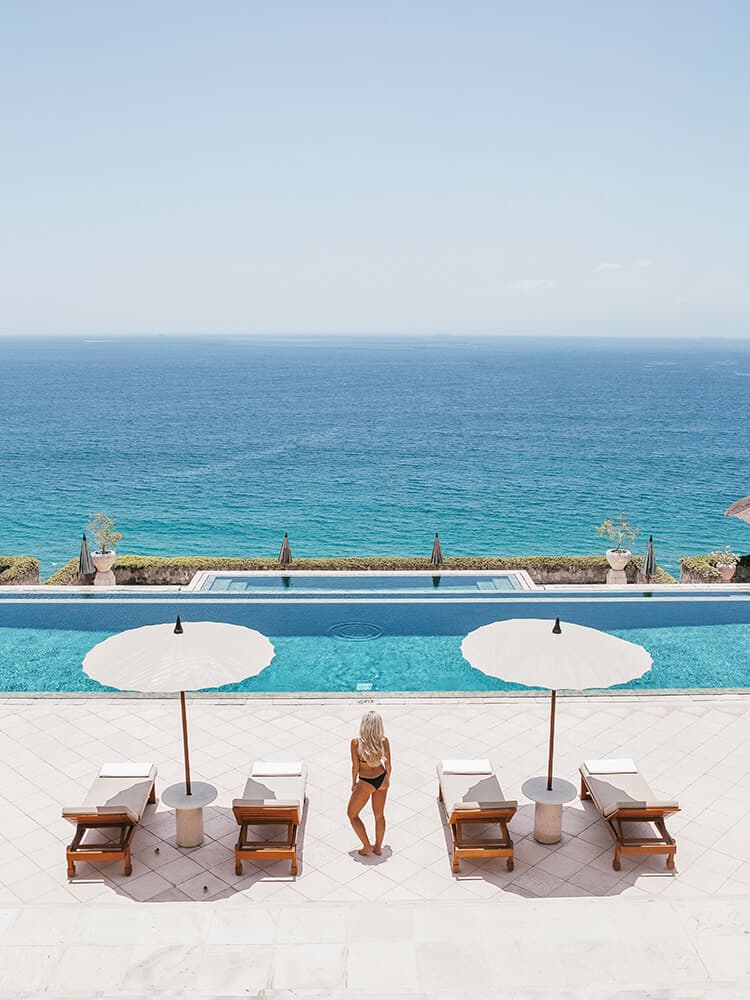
[637, 694]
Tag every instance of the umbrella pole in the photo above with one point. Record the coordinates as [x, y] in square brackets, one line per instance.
[185, 743]
[551, 740]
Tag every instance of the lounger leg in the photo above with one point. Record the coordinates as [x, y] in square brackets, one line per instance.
[510, 864]
[616, 863]
[670, 860]
[128, 862]
[152, 796]
[294, 862]
[584, 789]
[71, 866]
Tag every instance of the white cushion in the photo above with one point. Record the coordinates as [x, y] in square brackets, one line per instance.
[467, 767]
[125, 769]
[276, 769]
[622, 766]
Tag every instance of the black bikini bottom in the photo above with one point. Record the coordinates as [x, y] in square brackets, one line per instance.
[375, 782]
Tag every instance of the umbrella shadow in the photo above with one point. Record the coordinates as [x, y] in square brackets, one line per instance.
[163, 872]
[579, 866]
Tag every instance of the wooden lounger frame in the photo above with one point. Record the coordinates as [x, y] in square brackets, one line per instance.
[112, 850]
[266, 850]
[663, 844]
[485, 847]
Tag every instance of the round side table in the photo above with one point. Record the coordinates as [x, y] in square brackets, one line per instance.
[548, 807]
[189, 810]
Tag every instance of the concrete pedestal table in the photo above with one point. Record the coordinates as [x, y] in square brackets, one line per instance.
[548, 807]
[189, 810]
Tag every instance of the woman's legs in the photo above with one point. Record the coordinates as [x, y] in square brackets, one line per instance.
[378, 808]
[360, 794]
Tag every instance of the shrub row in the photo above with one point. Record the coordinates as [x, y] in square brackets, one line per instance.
[18, 569]
[703, 569]
[133, 568]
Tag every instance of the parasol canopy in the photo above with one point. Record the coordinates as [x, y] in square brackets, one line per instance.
[740, 509]
[285, 553]
[437, 552]
[534, 652]
[179, 657]
[85, 562]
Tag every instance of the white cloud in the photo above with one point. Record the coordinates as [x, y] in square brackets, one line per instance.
[609, 265]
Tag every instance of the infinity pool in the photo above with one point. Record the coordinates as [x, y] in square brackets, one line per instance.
[353, 642]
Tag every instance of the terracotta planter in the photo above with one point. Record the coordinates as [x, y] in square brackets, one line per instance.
[726, 570]
[104, 562]
[618, 558]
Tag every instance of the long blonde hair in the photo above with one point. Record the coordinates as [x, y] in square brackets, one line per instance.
[371, 737]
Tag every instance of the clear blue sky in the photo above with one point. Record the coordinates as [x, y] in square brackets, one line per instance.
[399, 167]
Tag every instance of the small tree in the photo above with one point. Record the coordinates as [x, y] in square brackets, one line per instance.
[101, 526]
[618, 531]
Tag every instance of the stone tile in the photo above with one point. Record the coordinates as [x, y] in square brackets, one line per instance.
[323, 967]
[396, 967]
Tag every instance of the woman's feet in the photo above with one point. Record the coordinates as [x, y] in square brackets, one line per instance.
[377, 850]
[364, 851]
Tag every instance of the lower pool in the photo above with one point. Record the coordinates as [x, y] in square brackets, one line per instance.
[356, 644]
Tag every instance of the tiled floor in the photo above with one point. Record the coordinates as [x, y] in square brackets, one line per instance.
[695, 749]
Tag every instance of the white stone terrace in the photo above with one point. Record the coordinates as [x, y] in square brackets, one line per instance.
[562, 924]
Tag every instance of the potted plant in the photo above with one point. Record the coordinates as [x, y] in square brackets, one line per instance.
[619, 531]
[726, 562]
[102, 527]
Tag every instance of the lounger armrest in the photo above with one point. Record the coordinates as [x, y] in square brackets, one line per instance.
[484, 806]
[652, 805]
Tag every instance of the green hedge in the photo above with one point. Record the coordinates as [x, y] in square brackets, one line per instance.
[13, 569]
[704, 566]
[68, 574]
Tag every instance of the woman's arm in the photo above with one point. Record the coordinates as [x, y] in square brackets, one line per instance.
[355, 762]
[387, 754]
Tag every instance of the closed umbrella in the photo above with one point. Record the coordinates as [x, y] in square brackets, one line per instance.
[740, 509]
[285, 553]
[534, 652]
[436, 559]
[85, 562]
[648, 569]
[179, 657]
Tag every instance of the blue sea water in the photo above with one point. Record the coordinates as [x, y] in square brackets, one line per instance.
[361, 446]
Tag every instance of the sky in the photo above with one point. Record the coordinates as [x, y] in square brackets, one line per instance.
[398, 168]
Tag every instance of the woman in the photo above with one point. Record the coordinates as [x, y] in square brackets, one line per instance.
[371, 775]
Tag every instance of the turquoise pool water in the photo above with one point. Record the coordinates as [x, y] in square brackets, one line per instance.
[37, 659]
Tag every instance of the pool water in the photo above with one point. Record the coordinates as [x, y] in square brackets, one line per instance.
[39, 659]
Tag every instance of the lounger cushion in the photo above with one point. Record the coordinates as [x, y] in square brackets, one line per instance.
[471, 791]
[281, 790]
[115, 796]
[620, 792]
[466, 767]
[125, 769]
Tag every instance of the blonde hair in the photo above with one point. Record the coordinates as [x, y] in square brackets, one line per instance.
[371, 737]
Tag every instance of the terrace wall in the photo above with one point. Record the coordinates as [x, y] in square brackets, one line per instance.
[179, 571]
[19, 571]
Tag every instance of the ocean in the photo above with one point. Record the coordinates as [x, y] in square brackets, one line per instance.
[218, 445]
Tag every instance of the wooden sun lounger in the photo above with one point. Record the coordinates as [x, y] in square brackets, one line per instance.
[472, 800]
[625, 799]
[114, 804]
[269, 801]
